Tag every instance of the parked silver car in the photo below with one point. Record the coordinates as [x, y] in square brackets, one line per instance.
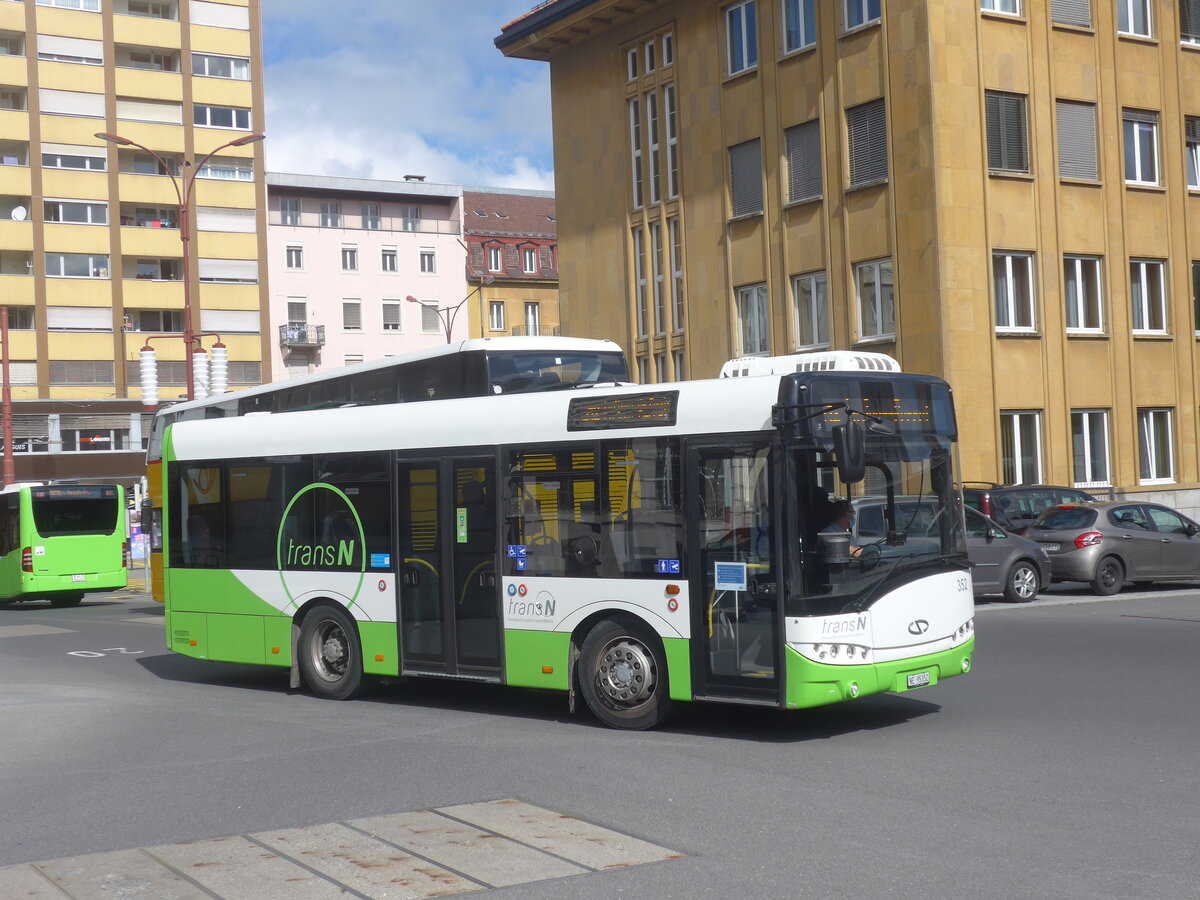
[1109, 543]
[1002, 562]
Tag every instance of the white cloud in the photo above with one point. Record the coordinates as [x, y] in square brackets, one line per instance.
[387, 88]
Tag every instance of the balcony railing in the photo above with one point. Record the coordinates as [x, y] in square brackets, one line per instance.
[301, 335]
[359, 222]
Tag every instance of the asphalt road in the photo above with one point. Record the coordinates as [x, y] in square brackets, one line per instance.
[1064, 766]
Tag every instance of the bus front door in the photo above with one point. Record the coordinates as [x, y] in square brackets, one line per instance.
[735, 586]
[449, 606]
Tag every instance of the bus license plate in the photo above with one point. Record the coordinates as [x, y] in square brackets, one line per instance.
[920, 679]
[79, 578]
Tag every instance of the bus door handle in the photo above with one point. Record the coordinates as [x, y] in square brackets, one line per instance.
[487, 579]
[409, 576]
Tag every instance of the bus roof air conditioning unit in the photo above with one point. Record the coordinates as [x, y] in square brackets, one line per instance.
[820, 361]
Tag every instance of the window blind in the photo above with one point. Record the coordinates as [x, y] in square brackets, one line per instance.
[79, 318]
[219, 15]
[150, 111]
[804, 161]
[866, 128]
[245, 270]
[1076, 126]
[246, 321]
[55, 45]
[745, 178]
[1073, 12]
[211, 218]
[1007, 132]
[71, 103]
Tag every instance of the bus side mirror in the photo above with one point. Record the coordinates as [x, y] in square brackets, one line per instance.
[848, 449]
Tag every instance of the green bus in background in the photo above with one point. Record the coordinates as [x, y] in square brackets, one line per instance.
[60, 541]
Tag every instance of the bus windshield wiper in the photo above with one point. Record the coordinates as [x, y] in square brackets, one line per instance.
[910, 561]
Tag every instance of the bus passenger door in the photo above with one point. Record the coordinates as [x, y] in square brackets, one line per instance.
[449, 607]
[734, 579]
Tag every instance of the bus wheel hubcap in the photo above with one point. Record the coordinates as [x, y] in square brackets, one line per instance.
[331, 651]
[626, 672]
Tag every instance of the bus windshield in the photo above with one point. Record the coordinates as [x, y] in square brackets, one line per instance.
[531, 371]
[74, 510]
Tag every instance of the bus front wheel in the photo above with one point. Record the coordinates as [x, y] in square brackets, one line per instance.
[330, 655]
[624, 675]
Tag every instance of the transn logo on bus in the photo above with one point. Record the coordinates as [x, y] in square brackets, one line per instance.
[844, 626]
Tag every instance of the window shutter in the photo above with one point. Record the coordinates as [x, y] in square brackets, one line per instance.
[1139, 115]
[352, 316]
[245, 321]
[150, 111]
[64, 46]
[1077, 140]
[219, 15]
[71, 103]
[391, 315]
[745, 178]
[74, 150]
[21, 373]
[1074, 12]
[245, 270]
[211, 218]
[79, 318]
[1189, 21]
[297, 311]
[1191, 129]
[866, 128]
[804, 161]
[1007, 132]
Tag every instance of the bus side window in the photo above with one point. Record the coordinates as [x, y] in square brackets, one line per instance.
[10, 524]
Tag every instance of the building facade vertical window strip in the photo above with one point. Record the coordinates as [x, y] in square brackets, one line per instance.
[1133, 17]
[875, 289]
[495, 259]
[289, 210]
[810, 297]
[675, 235]
[745, 179]
[533, 319]
[753, 320]
[741, 37]
[799, 25]
[1156, 454]
[671, 123]
[1089, 448]
[1148, 296]
[1021, 446]
[1012, 286]
[1083, 293]
[679, 374]
[635, 152]
[802, 150]
[653, 148]
[659, 276]
[1007, 132]
[866, 131]
[1075, 125]
[639, 279]
[1140, 134]
[668, 49]
[1072, 12]
[1196, 296]
[1191, 139]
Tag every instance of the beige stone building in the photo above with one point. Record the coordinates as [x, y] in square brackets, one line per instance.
[91, 257]
[1005, 193]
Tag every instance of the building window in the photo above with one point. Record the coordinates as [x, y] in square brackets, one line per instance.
[391, 316]
[89, 5]
[1156, 460]
[76, 212]
[428, 261]
[1196, 296]
[866, 128]
[295, 257]
[635, 150]
[1021, 447]
[388, 259]
[331, 214]
[1012, 278]
[431, 321]
[677, 364]
[649, 50]
[655, 159]
[860, 12]
[1133, 17]
[741, 37]
[410, 218]
[169, 321]
[352, 359]
[1012, 7]
[1076, 125]
[1072, 12]
[495, 259]
[643, 378]
[672, 126]
[75, 161]
[1191, 136]
[229, 168]
[753, 320]
[81, 371]
[351, 315]
[745, 178]
[660, 368]
[370, 216]
[148, 8]
[660, 278]
[1081, 279]
[1089, 447]
[532, 320]
[297, 312]
[631, 63]
[349, 259]
[1189, 21]
[76, 265]
[496, 315]
[1141, 146]
[221, 117]
[803, 148]
[1007, 132]
[639, 279]
[236, 67]
[529, 260]
[677, 295]
[810, 294]
[1147, 296]
[289, 210]
[668, 49]
[876, 299]
[799, 24]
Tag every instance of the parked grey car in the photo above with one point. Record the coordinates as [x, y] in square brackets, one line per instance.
[1002, 562]
[1109, 543]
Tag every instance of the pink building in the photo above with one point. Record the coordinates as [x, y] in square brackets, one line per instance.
[347, 258]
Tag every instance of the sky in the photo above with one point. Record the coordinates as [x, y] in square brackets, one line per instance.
[388, 88]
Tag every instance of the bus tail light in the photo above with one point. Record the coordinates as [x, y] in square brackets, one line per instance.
[27, 559]
[1088, 539]
[124, 554]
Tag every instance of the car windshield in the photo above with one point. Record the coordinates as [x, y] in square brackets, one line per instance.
[1064, 518]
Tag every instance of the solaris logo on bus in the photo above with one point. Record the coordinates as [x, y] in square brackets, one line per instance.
[321, 532]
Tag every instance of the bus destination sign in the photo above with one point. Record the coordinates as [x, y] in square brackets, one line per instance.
[623, 411]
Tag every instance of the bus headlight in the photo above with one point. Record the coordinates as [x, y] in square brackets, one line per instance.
[966, 664]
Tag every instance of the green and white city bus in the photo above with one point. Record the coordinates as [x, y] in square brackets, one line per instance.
[59, 541]
[640, 544]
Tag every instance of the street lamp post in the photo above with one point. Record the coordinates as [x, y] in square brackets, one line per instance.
[184, 185]
[447, 314]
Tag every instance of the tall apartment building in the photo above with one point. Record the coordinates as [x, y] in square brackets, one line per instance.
[91, 258]
[1005, 193]
[512, 245]
[346, 254]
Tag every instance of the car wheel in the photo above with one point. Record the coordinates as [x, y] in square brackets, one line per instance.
[1022, 583]
[329, 654]
[623, 675]
[1110, 576]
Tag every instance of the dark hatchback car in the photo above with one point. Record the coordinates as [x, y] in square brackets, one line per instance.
[1014, 508]
[1109, 543]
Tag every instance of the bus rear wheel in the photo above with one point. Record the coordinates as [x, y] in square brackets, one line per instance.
[59, 601]
[624, 675]
[330, 655]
